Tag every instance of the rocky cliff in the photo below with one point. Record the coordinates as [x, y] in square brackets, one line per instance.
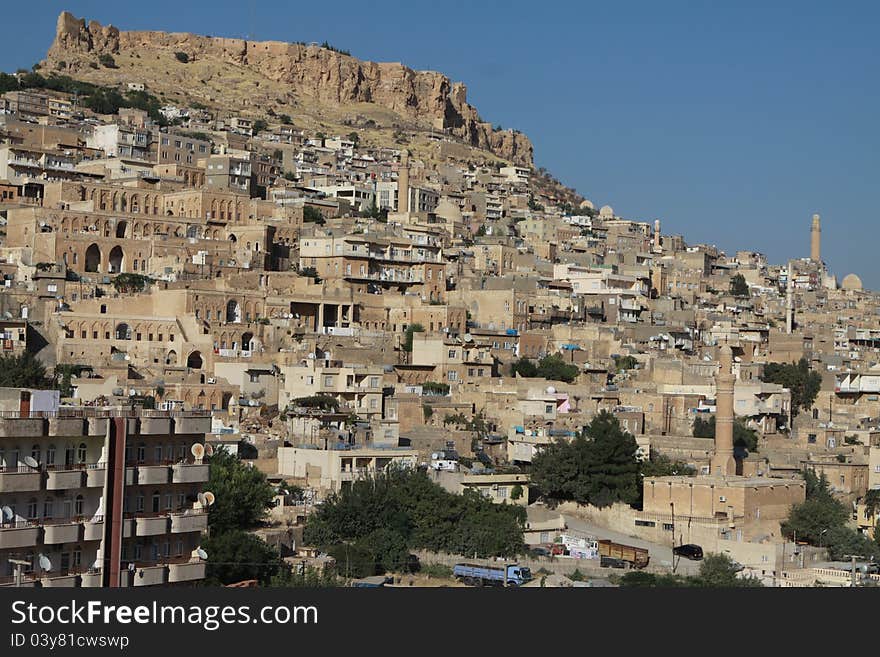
[326, 75]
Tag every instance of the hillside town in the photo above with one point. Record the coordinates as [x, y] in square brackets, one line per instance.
[200, 288]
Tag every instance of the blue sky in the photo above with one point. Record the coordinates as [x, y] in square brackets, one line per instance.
[732, 124]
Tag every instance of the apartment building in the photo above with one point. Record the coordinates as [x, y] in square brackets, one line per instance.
[99, 496]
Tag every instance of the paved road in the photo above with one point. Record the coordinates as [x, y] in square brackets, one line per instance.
[661, 555]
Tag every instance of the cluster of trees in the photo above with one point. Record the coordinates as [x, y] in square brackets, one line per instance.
[625, 363]
[131, 282]
[742, 435]
[23, 371]
[716, 571]
[552, 367]
[822, 520]
[371, 526]
[797, 377]
[327, 403]
[739, 287]
[599, 467]
[243, 496]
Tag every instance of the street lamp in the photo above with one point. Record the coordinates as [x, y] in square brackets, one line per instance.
[821, 534]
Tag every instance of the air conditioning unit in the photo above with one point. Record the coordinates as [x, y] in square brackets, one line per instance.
[721, 498]
[212, 380]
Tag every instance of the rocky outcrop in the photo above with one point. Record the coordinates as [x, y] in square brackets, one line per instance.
[326, 75]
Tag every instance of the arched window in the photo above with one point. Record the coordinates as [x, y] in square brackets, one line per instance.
[35, 453]
[139, 507]
[78, 506]
[69, 455]
[50, 456]
[81, 453]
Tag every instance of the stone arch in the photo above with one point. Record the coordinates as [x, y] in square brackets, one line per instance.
[233, 311]
[93, 258]
[195, 361]
[116, 260]
[121, 229]
[171, 357]
[122, 331]
[246, 340]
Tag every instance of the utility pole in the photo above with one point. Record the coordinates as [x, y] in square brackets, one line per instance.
[19, 563]
[854, 581]
[672, 509]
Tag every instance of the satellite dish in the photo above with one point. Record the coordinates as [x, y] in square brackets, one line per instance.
[202, 554]
[468, 337]
[31, 462]
[7, 513]
[198, 450]
[209, 449]
[45, 563]
[551, 390]
[201, 498]
[209, 497]
[434, 456]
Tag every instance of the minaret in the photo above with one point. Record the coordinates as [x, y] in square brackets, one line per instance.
[789, 300]
[815, 240]
[403, 184]
[723, 462]
[657, 247]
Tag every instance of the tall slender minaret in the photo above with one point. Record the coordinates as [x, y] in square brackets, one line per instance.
[816, 240]
[789, 300]
[723, 462]
[657, 247]
[403, 184]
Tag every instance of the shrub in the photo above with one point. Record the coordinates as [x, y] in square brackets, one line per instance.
[106, 60]
[182, 57]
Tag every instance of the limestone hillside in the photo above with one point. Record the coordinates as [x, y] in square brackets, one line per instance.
[317, 86]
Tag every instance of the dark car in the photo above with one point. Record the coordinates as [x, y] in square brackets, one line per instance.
[540, 551]
[612, 562]
[689, 551]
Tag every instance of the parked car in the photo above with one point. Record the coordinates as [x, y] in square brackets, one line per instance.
[540, 551]
[612, 562]
[689, 551]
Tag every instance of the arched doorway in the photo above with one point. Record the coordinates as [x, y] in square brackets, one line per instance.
[116, 260]
[194, 361]
[171, 358]
[93, 258]
[246, 339]
[121, 228]
[233, 311]
[123, 331]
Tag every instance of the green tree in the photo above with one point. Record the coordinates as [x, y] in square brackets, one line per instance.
[408, 336]
[131, 282]
[259, 126]
[285, 119]
[235, 555]
[738, 286]
[241, 492]
[599, 467]
[554, 368]
[625, 362]
[23, 371]
[720, 571]
[803, 383]
[660, 465]
[524, 367]
[106, 60]
[182, 57]
[310, 272]
[312, 214]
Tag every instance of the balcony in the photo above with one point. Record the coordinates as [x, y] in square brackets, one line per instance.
[21, 427]
[93, 531]
[19, 535]
[65, 479]
[96, 476]
[156, 425]
[200, 424]
[147, 576]
[91, 579]
[66, 426]
[192, 521]
[59, 581]
[19, 480]
[153, 474]
[63, 531]
[186, 572]
[151, 526]
[189, 473]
